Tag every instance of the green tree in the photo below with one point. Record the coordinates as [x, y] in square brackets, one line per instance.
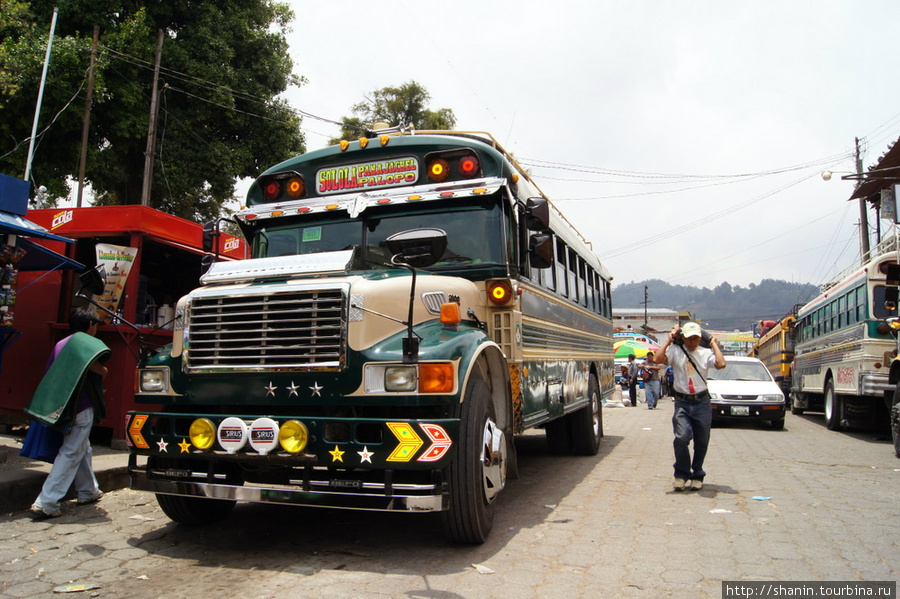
[223, 66]
[404, 106]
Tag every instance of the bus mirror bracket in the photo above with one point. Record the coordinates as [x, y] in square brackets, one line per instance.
[537, 214]
[540, 250]
[412, 249]
[94, 282]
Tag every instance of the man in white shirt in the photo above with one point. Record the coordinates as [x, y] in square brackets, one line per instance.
[692, 419]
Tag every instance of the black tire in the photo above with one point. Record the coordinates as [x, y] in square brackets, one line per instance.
[477, 473]
[194, 511]
[777, 424]
[586, 425]
[559, 436]
[895, 421]
[833, 407]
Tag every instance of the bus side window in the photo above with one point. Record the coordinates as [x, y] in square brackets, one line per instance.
[561, 278]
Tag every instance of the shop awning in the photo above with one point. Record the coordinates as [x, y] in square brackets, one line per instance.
[39, 258]
[16, 225]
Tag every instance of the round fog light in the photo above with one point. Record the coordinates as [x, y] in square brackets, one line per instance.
[293, 436]
[202, 433]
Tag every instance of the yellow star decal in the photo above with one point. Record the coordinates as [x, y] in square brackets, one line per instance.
[185, 446]
[337, 455]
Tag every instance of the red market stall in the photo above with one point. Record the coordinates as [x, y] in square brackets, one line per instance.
[164, 267]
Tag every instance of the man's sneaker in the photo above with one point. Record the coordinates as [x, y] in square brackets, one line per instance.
[696, 484]
[678, 484]
[95, 499]
[38, 514]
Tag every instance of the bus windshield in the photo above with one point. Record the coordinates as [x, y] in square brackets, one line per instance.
[474, 236]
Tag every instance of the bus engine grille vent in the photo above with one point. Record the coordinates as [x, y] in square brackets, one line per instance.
[303, 329]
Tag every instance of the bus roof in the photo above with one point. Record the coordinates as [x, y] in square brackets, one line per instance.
[437, 140]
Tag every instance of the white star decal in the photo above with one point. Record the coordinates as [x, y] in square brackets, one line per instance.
[316, 389]
[365, 455]
[292, 390]
[270, 390]
[162, 446]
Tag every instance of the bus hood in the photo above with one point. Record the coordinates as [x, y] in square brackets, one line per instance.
[244, 271]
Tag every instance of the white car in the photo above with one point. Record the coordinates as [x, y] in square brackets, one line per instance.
[745, 390]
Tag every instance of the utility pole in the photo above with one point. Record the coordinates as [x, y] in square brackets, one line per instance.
[151, 130]
[40, 98]
[863, 214]
[646, 301]
[86, 125]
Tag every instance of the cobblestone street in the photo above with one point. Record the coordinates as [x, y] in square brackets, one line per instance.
[804, 503]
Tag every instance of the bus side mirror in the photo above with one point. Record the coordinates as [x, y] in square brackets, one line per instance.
[540, 250]
[94, 280]
[418, 248]
[891, 298]
[209, 235]
[537, 214]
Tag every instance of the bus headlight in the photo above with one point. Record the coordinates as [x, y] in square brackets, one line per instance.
[400, 378]
[153, 380]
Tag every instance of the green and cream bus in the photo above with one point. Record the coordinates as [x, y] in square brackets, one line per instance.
[412, 302]
[844, 345]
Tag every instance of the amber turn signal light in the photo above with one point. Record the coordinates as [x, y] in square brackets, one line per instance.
[499, 292]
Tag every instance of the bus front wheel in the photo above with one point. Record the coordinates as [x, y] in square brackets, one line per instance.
[194, 511]
[833, 407]
[477, 473]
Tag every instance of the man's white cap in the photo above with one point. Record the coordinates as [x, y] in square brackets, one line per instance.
[690, 329]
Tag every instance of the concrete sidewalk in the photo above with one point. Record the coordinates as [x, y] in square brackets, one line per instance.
[21, 478]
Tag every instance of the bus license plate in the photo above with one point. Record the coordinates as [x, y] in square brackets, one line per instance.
[740, 410]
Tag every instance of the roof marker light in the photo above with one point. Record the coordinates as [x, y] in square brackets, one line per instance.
[438, 170]
[468, 166]
[414, 198]
[384, 139]
[363, 142]
[302, 210]
[296, 187]
[344, 144]
[271, 190]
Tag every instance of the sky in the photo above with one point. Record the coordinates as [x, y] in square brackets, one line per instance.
[685, 139]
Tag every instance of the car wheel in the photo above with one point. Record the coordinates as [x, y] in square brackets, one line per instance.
[777, 424]
[833, 407]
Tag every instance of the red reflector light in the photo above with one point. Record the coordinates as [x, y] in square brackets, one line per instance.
[438, 170]
[296, 187]
[499, 292]
[468, 166]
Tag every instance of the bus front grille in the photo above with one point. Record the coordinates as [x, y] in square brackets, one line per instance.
[302, 329]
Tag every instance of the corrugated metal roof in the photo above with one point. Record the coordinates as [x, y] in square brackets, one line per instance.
[885, 174]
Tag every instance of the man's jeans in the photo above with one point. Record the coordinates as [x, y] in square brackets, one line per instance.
[651, 388]
[691, 420]
[73, 463]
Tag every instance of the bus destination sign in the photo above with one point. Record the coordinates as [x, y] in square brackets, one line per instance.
[378, 174]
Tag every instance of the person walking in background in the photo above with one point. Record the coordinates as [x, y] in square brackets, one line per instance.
[634, 371]
[651, 381]
[669, 376]
[692, 419]
[73, 462]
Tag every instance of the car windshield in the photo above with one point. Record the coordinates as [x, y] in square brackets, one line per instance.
[741, 371]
